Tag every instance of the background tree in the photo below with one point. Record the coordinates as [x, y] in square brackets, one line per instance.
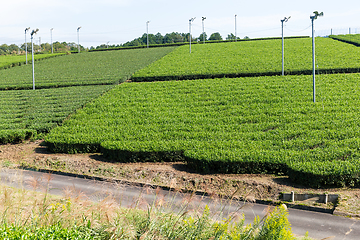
[230, 37]
[13, 49]
[159, 39]
[215, 36]
[201, 37]
[174, 37]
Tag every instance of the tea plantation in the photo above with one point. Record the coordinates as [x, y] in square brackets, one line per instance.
[239, 125]
[63, 85]
[237, 117]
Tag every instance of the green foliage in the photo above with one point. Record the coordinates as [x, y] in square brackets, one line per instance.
[215, 37]
[56, 231]
[27, 114]
[276, 226]
[348, 38]
[7, 61]
[30, 114]
[154, 224]
[90, 68]
[243, 125]
[26, 216]
[16, 135]
[252, 58]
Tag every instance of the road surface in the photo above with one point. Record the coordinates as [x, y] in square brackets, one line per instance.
[318, 225]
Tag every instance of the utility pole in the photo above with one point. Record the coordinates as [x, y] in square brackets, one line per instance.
[32, 53]
[315, 16]
[203, 28]
[52, 49]
[190, 21]
[147, 34]
[282, 40]
[78, 39]
[235, 28]
[26, 29]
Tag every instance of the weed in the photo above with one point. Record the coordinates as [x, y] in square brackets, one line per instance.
[34, 215]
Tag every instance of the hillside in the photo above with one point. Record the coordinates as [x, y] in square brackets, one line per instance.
[215, 125]
[230, 125]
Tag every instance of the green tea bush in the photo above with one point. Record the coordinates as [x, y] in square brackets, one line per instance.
[348, 38]
[244, 125]
[89, 68]
[252, 58]
[16, 135]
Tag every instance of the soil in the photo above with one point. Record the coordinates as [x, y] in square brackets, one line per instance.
[249, 187]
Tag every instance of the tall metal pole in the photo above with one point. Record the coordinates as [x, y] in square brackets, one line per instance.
[147, 34]
[316, 15]
[190, 21]
[52, 49]
[282, 41]
[235, 28]
[203, 28]
[32, 54]
[190, 33]
[78, 39]
[26, 45]
[313, 55]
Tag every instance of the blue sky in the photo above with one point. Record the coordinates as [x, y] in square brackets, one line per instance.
[119, 21]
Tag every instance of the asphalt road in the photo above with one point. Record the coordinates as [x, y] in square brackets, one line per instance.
[318, 225]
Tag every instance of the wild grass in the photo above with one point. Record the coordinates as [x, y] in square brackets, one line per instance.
[33, 215]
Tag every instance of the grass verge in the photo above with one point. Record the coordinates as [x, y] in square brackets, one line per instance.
[34, 215]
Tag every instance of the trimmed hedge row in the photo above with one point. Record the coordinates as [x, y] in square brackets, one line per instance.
[348, 38]
[142, 151]
[19, 63]
[16, 135]
[237, 75]
[309, 173]
[204, 157]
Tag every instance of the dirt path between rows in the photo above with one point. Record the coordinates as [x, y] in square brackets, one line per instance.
[249, 187]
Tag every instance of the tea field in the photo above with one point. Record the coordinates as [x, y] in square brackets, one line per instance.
[27, 113]
[348, 38]
[63, 85]
[89, 68]
[249, 122]
[253, 58]
[238, 125]
[7, 61]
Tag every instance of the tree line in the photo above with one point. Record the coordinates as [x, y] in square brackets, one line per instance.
[168, 38]
[158, 38]
[14, 49]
